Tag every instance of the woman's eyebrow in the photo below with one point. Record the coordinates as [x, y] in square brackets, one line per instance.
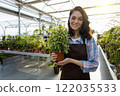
[78, 17]
[81, 17]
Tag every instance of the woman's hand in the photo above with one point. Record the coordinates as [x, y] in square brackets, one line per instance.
[53, 56]
[70, 60]
[65, 61]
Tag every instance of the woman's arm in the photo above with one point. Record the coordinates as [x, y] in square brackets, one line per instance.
[92, 63]
[70, 60]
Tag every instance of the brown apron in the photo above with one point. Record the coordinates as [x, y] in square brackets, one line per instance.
[72, 71]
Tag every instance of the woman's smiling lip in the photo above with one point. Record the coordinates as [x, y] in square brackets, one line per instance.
[75, 25]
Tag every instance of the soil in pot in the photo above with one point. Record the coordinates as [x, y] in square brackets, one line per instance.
[29, 50]
[43, 51]
[36, 51]
[1, 48]
[11, 49]
[46, 52]
[20, 50]
[6, 48]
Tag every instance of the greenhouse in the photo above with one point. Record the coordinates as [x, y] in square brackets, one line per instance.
[28, 30]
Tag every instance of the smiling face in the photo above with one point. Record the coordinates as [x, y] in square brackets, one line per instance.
[76, 20]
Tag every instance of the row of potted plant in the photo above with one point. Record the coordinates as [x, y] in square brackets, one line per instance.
[25, 43]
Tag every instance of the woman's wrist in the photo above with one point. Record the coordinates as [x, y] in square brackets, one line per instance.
[70, 60]
[77, 62]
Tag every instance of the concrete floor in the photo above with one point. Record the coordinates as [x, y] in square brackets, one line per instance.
[23, 68]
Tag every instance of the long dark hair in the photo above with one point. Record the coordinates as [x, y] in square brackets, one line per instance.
[85, 30]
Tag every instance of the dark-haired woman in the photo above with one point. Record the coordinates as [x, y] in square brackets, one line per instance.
[83, 55]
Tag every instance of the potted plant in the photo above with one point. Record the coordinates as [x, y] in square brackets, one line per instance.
[59, 42]
[1, 45]
[36, 45]
[56, 67]
[36, 32]
[3, 38]
[11, 44]
[9, 37]
[21, 44]
[30, 46]
[42, 45]
[5, 44]
[43, 27]
[29, 43]
[2, 56]
[47, 48]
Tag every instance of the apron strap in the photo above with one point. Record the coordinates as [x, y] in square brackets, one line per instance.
[83, 39]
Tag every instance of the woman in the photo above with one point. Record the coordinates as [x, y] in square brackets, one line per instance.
[83, 55]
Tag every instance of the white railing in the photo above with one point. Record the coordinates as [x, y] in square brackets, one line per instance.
[113, 75]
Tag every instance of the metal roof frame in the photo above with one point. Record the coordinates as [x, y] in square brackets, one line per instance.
[86, 8]
[34, 2]
[50, 13]
[19, 3]
[28, 4]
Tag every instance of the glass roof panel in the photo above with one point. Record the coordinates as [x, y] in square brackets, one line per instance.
[7, 17]
[9, 5]
[99, 14]
[47, 7]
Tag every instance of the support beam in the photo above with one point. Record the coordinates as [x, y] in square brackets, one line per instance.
[8, 11]
[58, 3]
[19, 15]
[34, 2]
[39, 21]
[40, 11]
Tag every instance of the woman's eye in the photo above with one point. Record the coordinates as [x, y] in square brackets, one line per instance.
[80, 19]
[73, 18]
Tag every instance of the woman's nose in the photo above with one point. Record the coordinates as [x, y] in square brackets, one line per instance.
[76, 20]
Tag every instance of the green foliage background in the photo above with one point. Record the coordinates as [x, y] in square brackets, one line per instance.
[110, 42]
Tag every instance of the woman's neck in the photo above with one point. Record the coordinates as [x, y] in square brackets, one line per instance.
[76, 35]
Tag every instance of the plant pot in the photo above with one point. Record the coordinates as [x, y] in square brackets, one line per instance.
[46, 52]
[6, 48]
[43, 51]
[1, 48]
[36, 50]
[60, 56]
[29, 50]
[56, 70]
[20, 50]
[11, 49]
